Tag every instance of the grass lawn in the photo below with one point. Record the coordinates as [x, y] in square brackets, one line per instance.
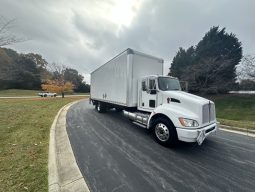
[18, 92]
[24, 142]
[235, 110]
[23, 92]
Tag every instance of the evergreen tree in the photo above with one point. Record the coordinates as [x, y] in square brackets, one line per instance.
[212, 63]
[182, 61]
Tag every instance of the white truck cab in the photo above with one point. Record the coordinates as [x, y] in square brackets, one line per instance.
[154, 102]
[193, 117]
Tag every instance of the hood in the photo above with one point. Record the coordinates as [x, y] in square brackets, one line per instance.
[186, 101]
[184, 96]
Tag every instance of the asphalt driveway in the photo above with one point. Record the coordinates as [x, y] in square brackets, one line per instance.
[115, 155]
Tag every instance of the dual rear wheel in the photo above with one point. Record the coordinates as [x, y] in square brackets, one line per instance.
[100, 107]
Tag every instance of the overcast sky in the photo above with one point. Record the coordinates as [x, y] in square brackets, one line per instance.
[84, 34]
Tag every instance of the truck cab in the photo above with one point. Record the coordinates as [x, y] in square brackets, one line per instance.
[172, 113]
[152, 88]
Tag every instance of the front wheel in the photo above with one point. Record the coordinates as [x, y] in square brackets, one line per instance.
[165, 132]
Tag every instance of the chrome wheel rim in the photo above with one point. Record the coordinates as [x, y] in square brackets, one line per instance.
[162, 132]
[98, 106]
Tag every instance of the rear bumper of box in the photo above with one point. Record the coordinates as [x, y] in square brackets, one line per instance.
[191, 135]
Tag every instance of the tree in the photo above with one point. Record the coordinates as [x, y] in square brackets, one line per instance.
[247, 67]
[17, 71]
[6, 37]
[73, 76]
[211, 64]
[182, 61]
[247, 84]
[57, 86]
[58, 83]
[27, 75]
[41, 64]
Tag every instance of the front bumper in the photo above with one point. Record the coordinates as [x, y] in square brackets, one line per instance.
[192, 135]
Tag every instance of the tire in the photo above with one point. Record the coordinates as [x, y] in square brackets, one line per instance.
[164, 132]
[45, 95]
[100, 107]
[118, 109]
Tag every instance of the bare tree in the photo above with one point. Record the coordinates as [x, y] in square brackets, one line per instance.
[6, 36]
[247, 67]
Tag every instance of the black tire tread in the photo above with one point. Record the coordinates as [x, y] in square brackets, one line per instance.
[173, 139]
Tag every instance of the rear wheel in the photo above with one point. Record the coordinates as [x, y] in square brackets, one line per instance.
[118, 109]
[100, 107]
[165, 132]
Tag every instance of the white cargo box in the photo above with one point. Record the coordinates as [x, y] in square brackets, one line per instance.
[116, 81]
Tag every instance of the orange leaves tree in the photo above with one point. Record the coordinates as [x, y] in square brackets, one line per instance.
[58, 83]
[58, 87]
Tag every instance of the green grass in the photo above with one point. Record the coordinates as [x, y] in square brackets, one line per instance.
[235, 110]
[18, 92]
[24, 142]
[23, 92]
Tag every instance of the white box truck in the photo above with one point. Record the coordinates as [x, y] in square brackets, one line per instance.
[134, 82]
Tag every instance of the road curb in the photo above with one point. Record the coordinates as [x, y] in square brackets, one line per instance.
[238, 130]
[64, 173]
[245, 130]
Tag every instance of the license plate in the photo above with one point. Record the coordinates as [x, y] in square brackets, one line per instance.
[201, 137]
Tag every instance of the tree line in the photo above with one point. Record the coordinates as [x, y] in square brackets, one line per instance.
[30, 71]
[210, 66]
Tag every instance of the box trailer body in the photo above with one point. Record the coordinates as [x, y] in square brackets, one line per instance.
[134, 82]
[116, 81]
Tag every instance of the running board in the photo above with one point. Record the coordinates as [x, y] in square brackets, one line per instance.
[140, 124]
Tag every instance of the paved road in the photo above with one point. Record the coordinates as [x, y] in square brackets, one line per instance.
[115, 155]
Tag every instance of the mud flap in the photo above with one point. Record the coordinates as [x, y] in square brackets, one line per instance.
[201, 137]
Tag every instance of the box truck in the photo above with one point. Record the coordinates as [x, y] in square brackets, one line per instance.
[134, 82]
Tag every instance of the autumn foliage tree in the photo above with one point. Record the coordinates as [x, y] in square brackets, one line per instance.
[58, 84]
[59, 87]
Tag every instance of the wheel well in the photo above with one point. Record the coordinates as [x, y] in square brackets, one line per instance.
[156, 116]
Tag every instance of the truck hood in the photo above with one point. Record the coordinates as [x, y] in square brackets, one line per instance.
[186, 97]
[191, 105]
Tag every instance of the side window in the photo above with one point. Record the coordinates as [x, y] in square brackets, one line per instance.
[152, 84]
[143, 85]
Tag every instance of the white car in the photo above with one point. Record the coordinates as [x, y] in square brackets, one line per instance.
[47, 94]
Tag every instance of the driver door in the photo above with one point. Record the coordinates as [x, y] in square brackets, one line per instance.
[148, 94]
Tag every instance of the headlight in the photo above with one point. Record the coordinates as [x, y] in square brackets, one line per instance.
[188, 122]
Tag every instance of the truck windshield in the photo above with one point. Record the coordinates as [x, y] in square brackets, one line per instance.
[168, 83]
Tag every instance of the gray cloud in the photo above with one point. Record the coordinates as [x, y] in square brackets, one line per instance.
[77, 34]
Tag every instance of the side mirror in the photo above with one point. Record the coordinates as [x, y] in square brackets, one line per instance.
[153, 92]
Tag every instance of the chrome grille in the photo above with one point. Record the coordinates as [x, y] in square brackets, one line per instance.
[208, 113]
